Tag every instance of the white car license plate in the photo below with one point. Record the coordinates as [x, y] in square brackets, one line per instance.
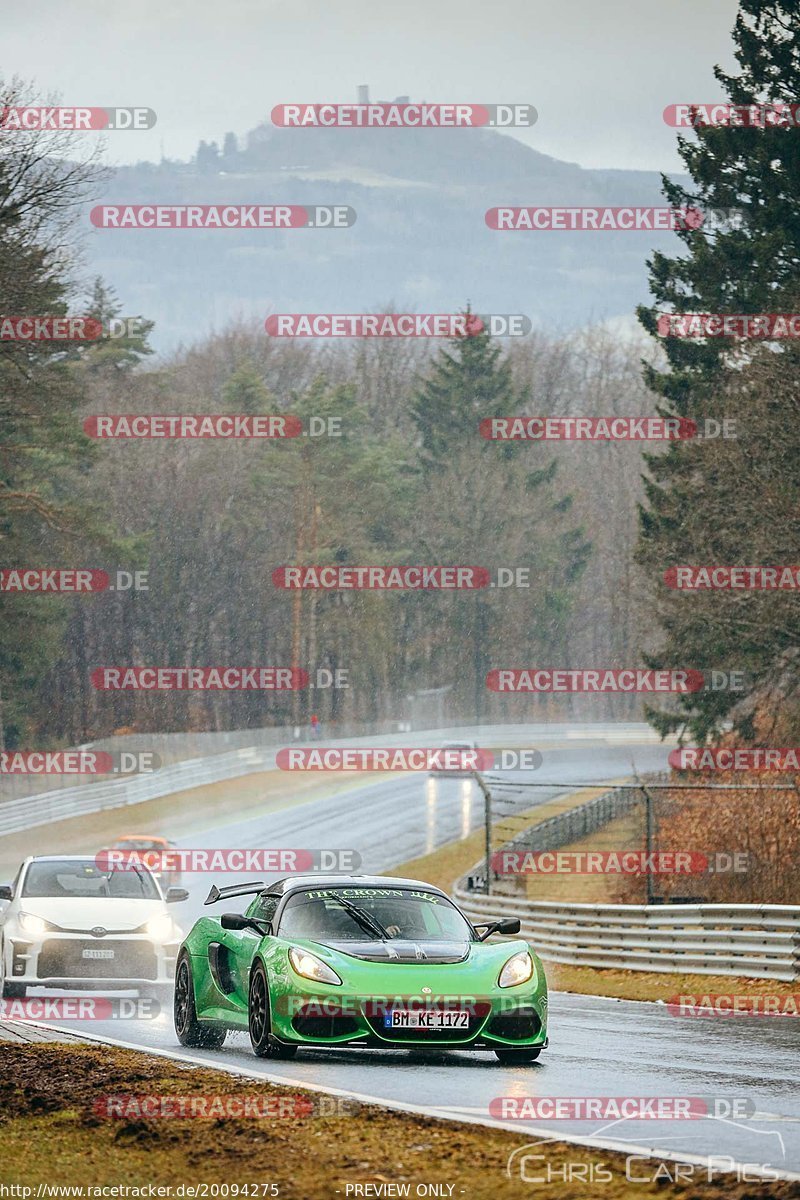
[404, 1018]
[97, 954]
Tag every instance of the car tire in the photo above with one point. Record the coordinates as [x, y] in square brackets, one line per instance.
[264, 1044]
[190, 1031]
[512, 1057]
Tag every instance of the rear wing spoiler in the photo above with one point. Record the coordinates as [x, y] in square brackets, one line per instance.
[238, 889]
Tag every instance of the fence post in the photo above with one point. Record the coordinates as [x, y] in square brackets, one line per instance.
[648, 875]
[487, 819]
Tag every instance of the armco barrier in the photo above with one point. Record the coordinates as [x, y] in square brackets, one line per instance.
[751, 940]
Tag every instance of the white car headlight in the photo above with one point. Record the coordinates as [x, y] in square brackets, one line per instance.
[160, 928]
[518, 969]
[36, 926]
[311, 967]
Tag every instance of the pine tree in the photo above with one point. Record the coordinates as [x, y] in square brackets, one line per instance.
[701, 495]
[484, 504]
[122, 346]
[469, 381]
[737, 266]
[44, 455]
[246, 392]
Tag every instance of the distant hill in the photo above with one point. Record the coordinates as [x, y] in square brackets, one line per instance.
[420, 239]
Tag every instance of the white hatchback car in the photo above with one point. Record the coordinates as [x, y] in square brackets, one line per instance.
[72, 924]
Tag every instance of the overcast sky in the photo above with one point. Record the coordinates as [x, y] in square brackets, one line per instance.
[599, 73]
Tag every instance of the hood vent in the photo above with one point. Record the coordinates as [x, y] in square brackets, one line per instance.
[403, 952]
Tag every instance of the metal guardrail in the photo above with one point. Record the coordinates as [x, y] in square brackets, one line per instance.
[751, 940]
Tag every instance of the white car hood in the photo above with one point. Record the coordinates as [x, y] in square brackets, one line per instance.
[88, 912]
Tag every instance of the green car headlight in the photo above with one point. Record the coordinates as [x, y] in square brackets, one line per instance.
[311, 967]
[518, 969]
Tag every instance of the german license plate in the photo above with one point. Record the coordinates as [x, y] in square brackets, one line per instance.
[97, 954]
[407, 1018]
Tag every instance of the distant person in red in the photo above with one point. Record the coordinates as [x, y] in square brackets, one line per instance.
[316, 728]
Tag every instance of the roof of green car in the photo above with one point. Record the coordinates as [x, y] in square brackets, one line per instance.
[301, 882]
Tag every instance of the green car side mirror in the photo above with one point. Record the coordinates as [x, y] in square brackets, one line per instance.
[237, 922]
[509, 925]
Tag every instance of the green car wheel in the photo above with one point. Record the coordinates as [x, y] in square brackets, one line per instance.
[190, 1031]
[261, 1039]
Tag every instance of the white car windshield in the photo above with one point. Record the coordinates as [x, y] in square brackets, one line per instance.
[76, 878]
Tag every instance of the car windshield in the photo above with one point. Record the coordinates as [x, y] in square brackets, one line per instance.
[353, 914]
[78, 878]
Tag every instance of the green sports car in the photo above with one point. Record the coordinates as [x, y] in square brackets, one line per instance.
[357, 961]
